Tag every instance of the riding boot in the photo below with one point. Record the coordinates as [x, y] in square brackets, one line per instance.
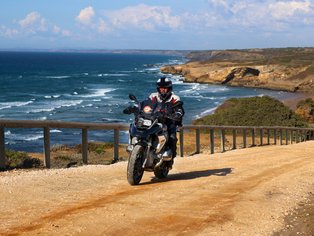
[173, 146]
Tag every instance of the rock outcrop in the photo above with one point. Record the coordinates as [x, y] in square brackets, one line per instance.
[261, 71]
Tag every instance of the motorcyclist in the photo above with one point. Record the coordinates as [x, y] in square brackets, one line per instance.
[167, 103]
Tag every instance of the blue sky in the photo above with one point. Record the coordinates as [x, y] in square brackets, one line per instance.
[151, 24]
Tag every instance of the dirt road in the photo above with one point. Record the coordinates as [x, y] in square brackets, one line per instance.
[242, 192]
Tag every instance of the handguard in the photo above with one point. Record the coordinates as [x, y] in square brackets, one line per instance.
[130, 110]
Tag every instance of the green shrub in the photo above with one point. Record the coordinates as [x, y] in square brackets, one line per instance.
[97, 147]
[253, 111]
[16, 159]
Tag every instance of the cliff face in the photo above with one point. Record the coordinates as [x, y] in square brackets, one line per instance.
[254, 70]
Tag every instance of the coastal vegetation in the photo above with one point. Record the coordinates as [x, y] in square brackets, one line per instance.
[305, 109]
[64, 156]
[253, 111]
[18, 160]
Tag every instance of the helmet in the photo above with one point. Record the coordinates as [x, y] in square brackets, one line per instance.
[164, 82]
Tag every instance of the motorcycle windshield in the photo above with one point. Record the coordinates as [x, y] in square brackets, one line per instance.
[147, 108]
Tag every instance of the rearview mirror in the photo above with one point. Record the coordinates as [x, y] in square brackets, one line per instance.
[132, 97]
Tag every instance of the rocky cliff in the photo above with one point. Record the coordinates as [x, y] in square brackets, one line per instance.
[279, 69]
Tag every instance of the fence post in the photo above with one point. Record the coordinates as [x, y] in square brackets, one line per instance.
[280, 136]
[291, 136]
[244, 138]
[268, 137]
[275, 136]
[234, 143]
[47, 146]
[2, 148]
[308, 135]
[223, 138]
[253, 137]
[116, 145]
[287, 137]
[212, 141]
[261, 137]
[197, 143]
[297, 136]
[84, 146]
[181, 143]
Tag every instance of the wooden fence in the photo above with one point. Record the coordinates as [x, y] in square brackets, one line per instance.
[287, 135]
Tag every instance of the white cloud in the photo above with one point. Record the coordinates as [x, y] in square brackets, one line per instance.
[86, 15]
[144, 17]
[283, 10]
[33, 22]
[10, 33]
[103, 27]
[219, 3]
[7, 32]
[57, 30]
[267, 15]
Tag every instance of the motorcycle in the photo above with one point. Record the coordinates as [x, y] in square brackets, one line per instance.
[147, 141]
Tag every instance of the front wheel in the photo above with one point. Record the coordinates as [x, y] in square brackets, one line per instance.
[135, 169]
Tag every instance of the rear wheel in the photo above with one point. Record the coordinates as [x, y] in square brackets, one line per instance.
[135, 169]
[162, 171]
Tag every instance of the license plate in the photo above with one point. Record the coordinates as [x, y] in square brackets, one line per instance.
[147, 122]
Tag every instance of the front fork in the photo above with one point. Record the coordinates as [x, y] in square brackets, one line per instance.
[147, 145]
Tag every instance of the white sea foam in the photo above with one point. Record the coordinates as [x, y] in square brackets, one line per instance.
[58, 77]
[153, 69]
[55, 131]
[56, 105]
[106, 75]
[7, 132]
[217, 89]
[42, 110]
[26, 137]
[6, 105]
[176, 78]
[33, 137]
[112, 120]
[206, 112]
[176, 61]
[52, 96]
[41, 118]
[98, 92]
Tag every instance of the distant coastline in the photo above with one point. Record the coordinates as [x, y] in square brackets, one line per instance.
[113, 51]
[284, 69]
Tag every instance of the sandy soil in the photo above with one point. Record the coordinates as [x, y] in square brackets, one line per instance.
[241, 192]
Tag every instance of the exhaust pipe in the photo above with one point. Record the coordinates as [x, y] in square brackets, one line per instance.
[166, 156]
[159, 163]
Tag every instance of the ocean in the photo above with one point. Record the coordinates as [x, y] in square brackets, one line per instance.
[93, 87]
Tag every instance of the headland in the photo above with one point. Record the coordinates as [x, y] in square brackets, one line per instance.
[286, 69]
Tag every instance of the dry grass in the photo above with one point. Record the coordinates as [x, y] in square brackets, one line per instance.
[103, 153]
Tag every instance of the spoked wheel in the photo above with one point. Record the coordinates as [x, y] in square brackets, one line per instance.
[162, 171]
[135, 170]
